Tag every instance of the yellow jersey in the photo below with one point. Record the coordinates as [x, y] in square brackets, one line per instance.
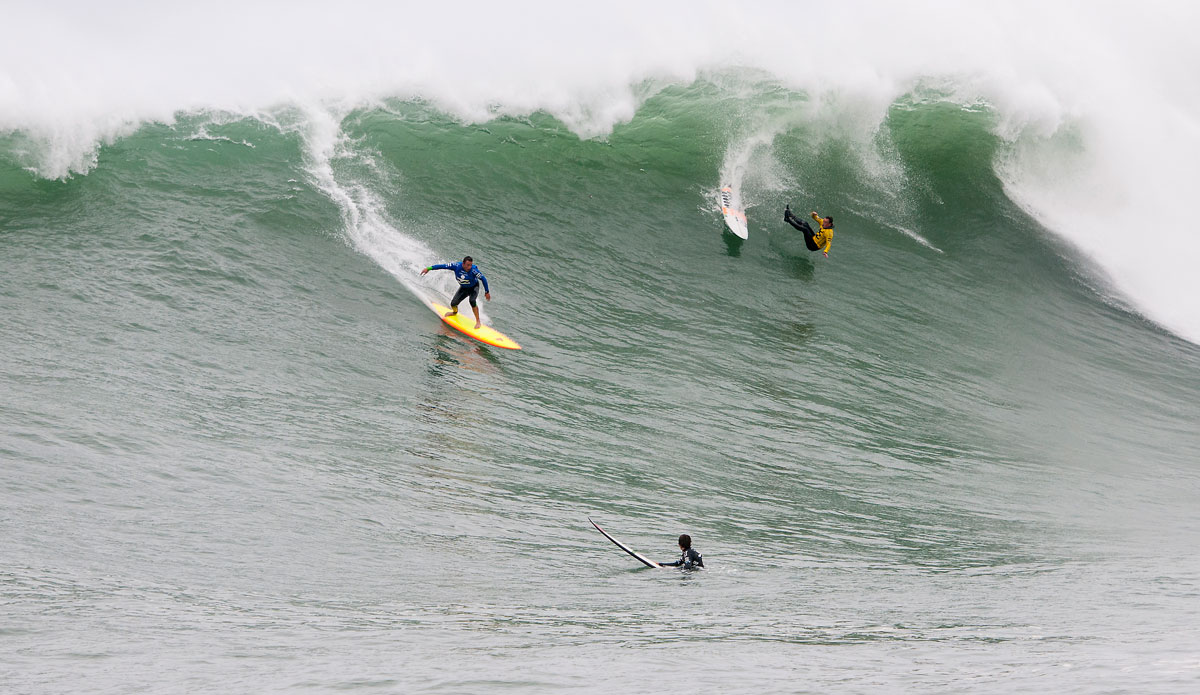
[824, 237]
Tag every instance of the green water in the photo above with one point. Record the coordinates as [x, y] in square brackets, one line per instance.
[241, 454]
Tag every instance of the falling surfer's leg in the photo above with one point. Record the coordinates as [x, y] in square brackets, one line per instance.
[810, 238]
[804, 228]
[795, 221]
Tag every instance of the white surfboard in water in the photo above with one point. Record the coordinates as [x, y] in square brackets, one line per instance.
[735, 218]
[641, 558]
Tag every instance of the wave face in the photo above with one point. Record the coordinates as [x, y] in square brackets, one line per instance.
[232, 428]
[1097, 106]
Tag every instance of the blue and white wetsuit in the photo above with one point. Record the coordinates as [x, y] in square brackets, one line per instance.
[468, 281]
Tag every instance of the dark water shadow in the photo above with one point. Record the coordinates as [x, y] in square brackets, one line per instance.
[795, 256]
[733, 243]
[796, 333]
[463, 353]
[786, 335]
[799, 267]
[446, 412]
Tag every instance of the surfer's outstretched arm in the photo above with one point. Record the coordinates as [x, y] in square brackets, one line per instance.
[690, 560]
[438, 266]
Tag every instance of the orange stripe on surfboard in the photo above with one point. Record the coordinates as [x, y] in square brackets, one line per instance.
[464, 321]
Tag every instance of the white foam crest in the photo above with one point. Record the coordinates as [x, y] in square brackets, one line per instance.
[76, 74]
[1115, 171]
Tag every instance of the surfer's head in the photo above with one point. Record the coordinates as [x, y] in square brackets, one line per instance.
[467, 261]
[829, 222]
[685, 542]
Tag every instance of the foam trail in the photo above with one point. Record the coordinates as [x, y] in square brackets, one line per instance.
[749, 168]
[879, 215]
[912, 235]
[736, 164]
[733, 169]
[364, 225]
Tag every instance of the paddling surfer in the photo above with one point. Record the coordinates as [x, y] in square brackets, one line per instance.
[689, 559]
[813, 240]
[469, 277]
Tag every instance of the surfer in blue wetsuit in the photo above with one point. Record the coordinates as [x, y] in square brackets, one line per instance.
[690, 559]
[469, 276]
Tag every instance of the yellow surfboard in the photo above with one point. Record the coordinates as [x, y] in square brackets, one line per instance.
[464, 321]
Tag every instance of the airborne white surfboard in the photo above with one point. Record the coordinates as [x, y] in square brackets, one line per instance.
[735, 219]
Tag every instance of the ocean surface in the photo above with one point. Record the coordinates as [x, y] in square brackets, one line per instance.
[239, 452]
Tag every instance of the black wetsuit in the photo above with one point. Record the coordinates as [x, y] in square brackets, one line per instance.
[690, 559]
[804, 228]
[465, 292]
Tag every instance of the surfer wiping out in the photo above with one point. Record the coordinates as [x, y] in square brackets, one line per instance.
[690, 559]
[813, 240]
[469, 276]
